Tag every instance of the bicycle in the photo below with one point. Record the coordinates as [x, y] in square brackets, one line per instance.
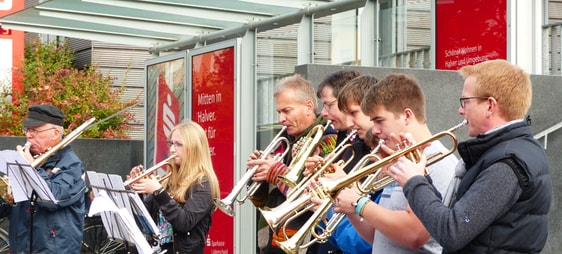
[96, 240]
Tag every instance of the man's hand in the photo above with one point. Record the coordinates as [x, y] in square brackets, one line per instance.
[25, 152]
[264, 164]
[312, 164]
[404, 169]
[345, 200]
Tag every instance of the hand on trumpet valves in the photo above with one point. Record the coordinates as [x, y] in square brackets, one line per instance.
[146, 185]
[312, 163]
[345, 200]
[312, 188]
[264, 165]
[25, 151]
[404, 169]
[255, 155]
[135, 171]
[316, 202]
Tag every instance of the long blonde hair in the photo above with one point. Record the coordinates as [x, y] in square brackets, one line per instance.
[196, 166]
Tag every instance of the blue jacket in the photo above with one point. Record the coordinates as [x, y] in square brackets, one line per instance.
[57, 228]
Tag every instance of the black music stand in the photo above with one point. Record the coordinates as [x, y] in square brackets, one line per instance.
[27, 184]
[123, 214]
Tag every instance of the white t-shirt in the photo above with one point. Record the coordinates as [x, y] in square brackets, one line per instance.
[393, 198]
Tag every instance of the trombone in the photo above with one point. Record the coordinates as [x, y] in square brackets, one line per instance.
[227, 204]
[5, 187]
[331, 187]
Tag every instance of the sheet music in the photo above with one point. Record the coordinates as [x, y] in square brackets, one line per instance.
[127, 201]
[103, 203]
[24, 178]
[141, 213]
[9, 156]
[98, 181]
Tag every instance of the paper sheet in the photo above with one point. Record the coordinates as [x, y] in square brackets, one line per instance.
[103, 203]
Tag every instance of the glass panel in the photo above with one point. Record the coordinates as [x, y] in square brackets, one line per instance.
[336, 39]
[405, 32]
[276, 51]
[165, 100]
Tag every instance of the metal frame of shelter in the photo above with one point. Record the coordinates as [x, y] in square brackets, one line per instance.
[167, 25]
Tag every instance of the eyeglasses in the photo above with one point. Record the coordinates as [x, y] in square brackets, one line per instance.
[34, 132]
[329, 105]
[176, 144]
[463, 100]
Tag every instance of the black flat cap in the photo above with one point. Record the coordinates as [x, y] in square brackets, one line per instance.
[42, 114]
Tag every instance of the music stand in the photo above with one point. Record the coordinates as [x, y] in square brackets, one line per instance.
[26, 184]
[119, 208]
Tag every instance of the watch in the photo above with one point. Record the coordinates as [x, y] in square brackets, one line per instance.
[158, 191]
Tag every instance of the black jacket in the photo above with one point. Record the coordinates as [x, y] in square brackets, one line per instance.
[524, 228]
[190, 221]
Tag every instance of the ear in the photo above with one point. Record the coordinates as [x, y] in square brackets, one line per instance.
[492, 105]
[57, 134]
[310, 110]
[409, 115]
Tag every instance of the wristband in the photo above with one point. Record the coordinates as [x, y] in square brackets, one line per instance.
[361, 205]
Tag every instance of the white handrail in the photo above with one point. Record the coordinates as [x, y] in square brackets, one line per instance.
[548, 131]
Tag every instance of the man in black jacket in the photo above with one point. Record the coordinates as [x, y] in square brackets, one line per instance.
[504, 190]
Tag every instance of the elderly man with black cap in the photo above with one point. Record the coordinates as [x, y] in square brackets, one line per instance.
[50, 228]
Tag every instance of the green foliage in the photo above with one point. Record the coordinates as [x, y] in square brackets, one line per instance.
[50, 78]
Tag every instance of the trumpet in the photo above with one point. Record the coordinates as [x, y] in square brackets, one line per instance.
[227, 204]
[332, 224]
[331, 187]
[295, 204]
[150, 171]
[309, 143]
[323, 167]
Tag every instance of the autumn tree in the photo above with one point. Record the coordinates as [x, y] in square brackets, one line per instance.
[49, 77]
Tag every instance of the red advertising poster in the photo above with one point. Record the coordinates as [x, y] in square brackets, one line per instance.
[167, 110]
[469, 32]
[11, 47]
[213, 108]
